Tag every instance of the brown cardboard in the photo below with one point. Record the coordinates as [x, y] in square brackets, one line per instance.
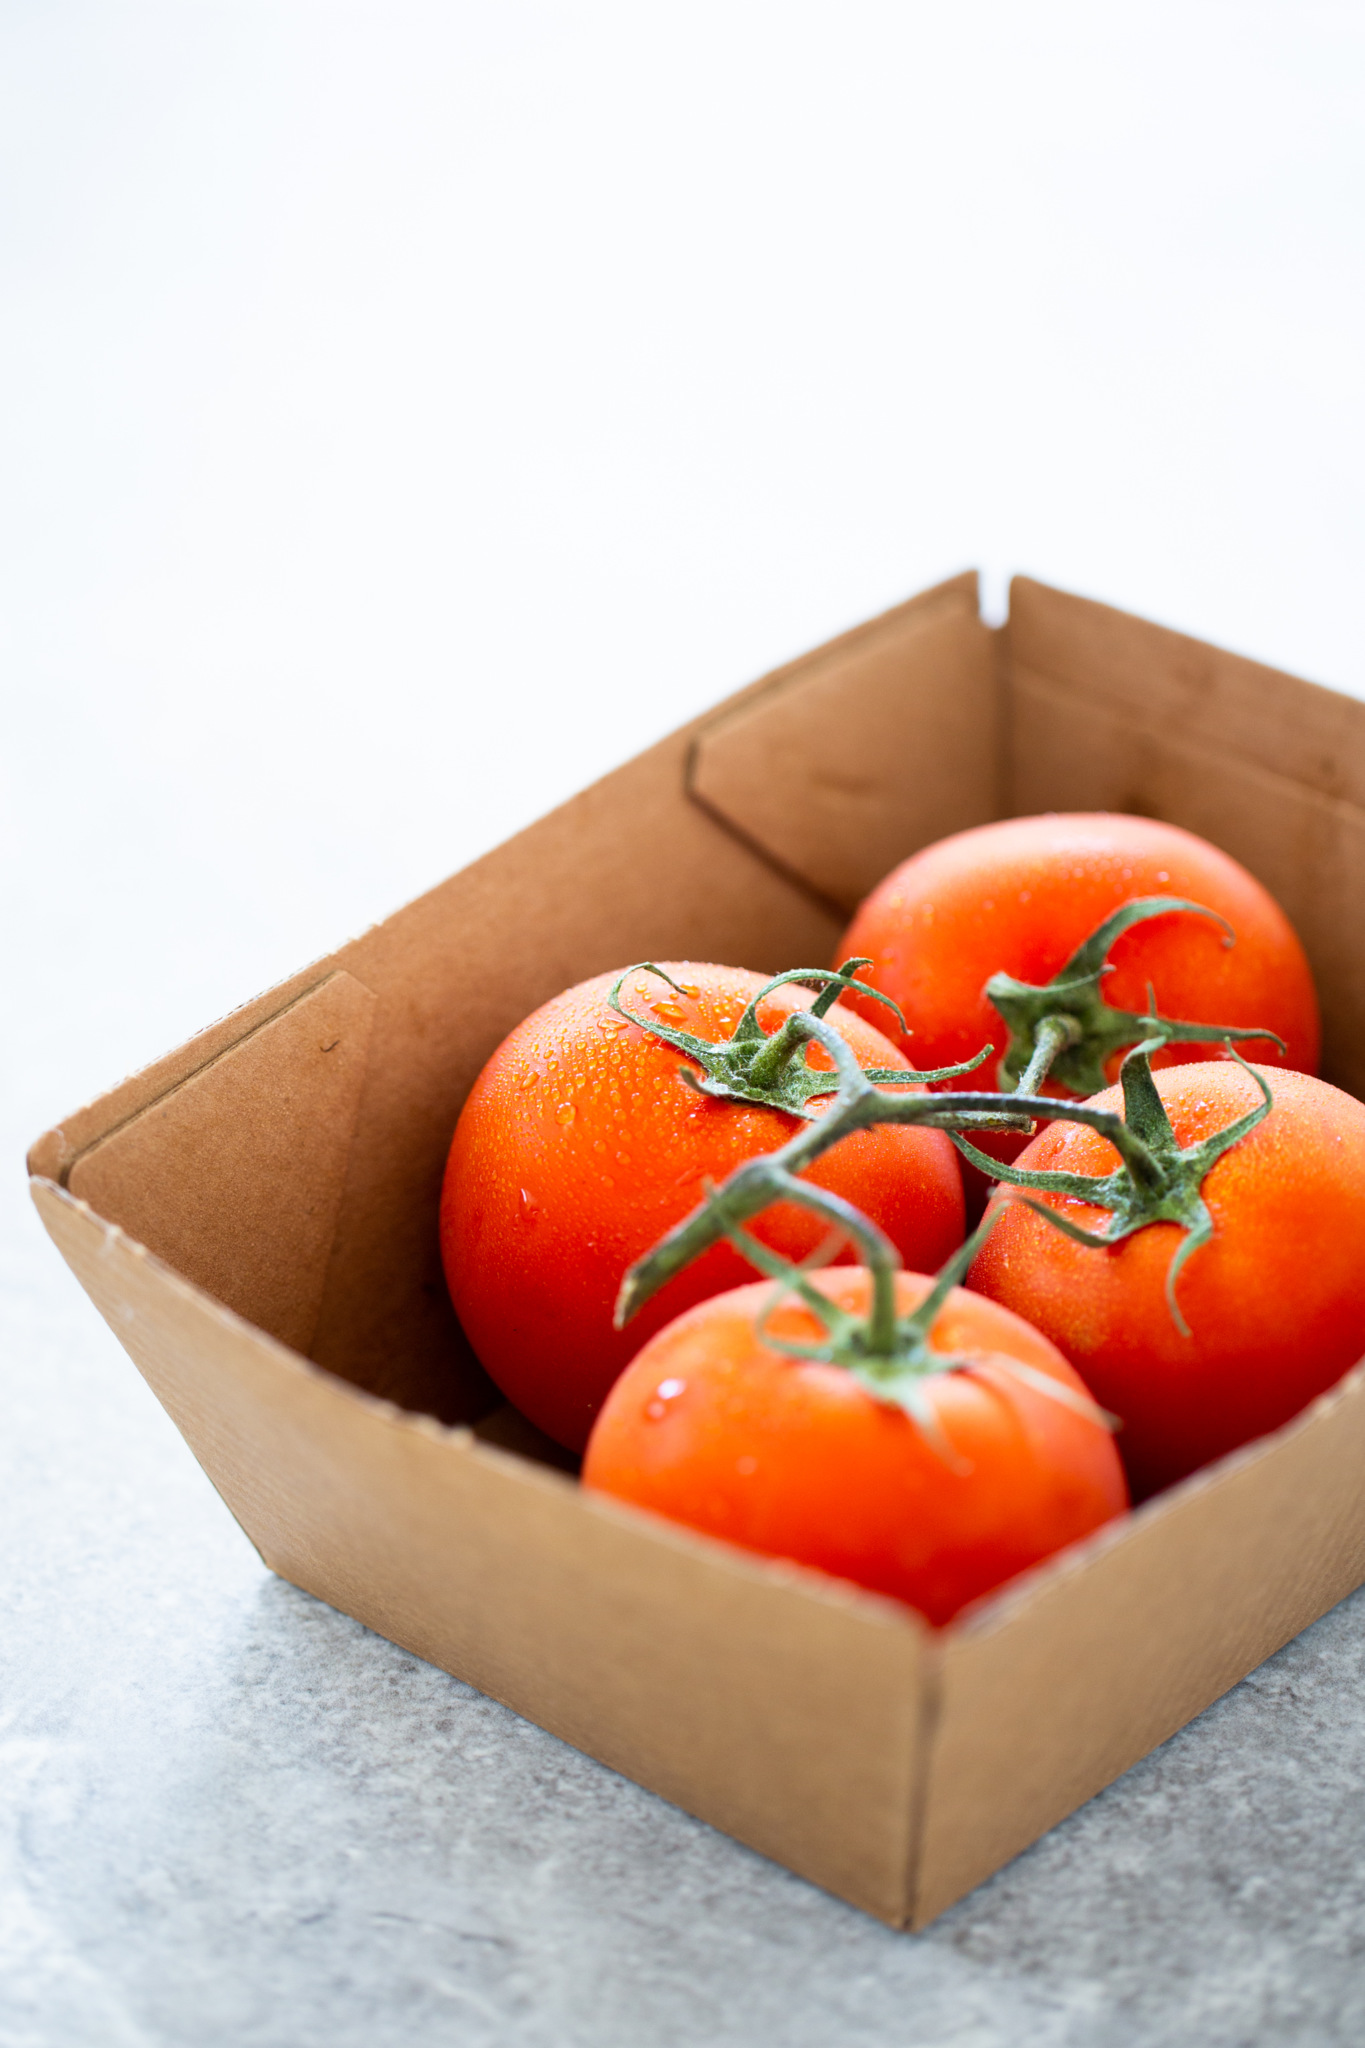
[779, 1705]
[1111, 713]
[248, 1209]
[886, 740]
[1110, 1649]
[256, 1192]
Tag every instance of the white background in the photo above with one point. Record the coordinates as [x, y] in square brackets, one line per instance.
[411, 410]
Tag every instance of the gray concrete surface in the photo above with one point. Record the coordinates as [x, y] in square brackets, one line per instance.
[229, 1815]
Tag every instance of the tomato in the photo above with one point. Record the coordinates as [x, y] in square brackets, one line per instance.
[580, 1146]
[1020, 896]
[713, 1426]
[1274, 1303]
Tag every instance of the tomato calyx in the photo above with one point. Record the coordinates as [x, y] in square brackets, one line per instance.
[771, 1068]
[858, 1104]
[888, 1354]
[1067, 1030]
[1157, 1180]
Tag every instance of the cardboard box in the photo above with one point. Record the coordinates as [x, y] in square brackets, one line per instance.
[255, 1216]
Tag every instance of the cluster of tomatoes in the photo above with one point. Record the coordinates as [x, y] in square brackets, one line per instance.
[1105, 1019]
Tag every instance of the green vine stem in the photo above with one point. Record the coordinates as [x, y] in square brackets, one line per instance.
[754, 1065]
[1066, 1028]
[889, 1354]
[858, 1104]
[1156, 1181]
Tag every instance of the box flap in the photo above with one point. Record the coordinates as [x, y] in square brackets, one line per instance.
[846, 761]
[234, 1176]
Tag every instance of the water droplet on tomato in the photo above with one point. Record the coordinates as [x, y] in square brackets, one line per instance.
[623, 1159]
[688, 990]
[599, 1145]
[746, 1467]
[564, 1112]
[666, 1391]
[530, 1207]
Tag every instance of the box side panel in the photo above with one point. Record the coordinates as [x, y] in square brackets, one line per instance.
[1311, 734]
[1056, 1689]
[235, 1176]
[783, 1714]
[852, 758]
[1110, 713]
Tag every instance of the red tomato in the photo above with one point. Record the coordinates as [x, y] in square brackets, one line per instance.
[580, 1146]
[1020, 896]
[712, 1426]
[1275, 1303]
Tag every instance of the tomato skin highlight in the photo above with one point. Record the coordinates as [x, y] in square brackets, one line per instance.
[1275, 1302]
[1022, 894]
[579, 1147]
[712, 1427]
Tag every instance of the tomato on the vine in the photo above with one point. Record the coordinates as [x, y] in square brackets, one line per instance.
[714, 1425]
[581, 1144]
[1019, 897]
[1273, 1303]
